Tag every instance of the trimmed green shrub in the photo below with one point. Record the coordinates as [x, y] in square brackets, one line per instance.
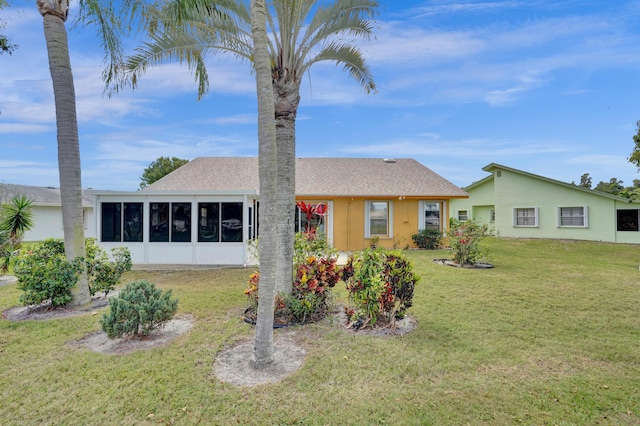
[45, 274]
[139, 309]
[103, 272]
[380, 284]
[429, 239]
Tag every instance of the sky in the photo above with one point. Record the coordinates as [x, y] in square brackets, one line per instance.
[544, 86]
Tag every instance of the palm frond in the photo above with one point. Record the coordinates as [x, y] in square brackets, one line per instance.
[351, 60]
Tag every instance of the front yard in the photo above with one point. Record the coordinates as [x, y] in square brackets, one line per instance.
[551, 335]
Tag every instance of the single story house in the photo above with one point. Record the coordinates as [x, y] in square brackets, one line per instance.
[47, 210]
[518, 204]
[206, 211]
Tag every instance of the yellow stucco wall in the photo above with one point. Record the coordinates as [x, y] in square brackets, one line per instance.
[348, 218]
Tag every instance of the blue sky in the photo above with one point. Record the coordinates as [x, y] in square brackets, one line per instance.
[547, 87]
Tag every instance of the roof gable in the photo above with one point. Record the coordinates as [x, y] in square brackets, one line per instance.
[494, 167]
[314, 177]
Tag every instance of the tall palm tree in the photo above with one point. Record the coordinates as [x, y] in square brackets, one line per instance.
[54, 13]
[263, 341]
[303, 32]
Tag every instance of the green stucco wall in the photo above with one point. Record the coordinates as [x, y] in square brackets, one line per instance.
[508, 189]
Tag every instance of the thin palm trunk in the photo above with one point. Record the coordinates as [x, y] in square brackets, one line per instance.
[263, 341]
[286, 106]
[55, 14]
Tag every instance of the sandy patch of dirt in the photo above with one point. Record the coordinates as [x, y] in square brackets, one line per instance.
[99, 342]
[45, 312]
[7, 279]
[233, 366]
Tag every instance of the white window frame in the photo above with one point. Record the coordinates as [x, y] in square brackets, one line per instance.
[492, 216]
[585, 217]
[466, 215]
[367, 221]
[535, 217]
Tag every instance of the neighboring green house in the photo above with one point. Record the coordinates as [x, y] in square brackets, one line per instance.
[518, 204]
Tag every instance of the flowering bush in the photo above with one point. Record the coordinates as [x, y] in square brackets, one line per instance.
[464, 238]
[380, 284]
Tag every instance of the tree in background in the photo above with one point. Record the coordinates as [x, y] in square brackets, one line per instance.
[614, 186]
[159, 169]
[585, 181]
[5, 44]
[634, 158]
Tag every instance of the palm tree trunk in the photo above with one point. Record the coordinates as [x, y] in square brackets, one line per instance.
[267, 243]
[286, 106]
[55, 13]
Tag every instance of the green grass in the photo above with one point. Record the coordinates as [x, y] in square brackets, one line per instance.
[550, 336]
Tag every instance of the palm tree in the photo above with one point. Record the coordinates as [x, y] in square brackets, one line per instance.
[16, 218]
[263, 341]
[54, 13]
[303, 32]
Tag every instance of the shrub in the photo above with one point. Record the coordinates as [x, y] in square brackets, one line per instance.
[464, 238]
[104, 273]
[310, 298]
[429, 239]
[311, 244]
[380, 284]
[45, 274]
[139, 308]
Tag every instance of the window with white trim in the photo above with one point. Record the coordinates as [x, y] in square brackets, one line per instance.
[525, 217]
[492, 214]
[121, 222]
[463, 215]
[378, 216]
[572, 217]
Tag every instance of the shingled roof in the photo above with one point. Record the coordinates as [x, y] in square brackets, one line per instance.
[336, 177]
[41, 195]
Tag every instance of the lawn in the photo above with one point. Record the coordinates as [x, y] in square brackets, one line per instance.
[551, 335]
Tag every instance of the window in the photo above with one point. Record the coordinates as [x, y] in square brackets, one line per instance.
[231, 222]
[377, 219]
[525, 217]
[628, 220]
[111, 220]
[572, 216]
[463, 216]
[312, 219]
[493, 215]
[159, 222]
[432, 216]
[115, 215]
[181, 222]
[209, 223]
[220, 222]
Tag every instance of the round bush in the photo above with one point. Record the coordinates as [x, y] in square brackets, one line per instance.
[139, 308]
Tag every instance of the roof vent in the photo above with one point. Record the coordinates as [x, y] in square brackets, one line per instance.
[389, 160]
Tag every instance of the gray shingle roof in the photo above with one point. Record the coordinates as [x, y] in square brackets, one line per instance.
[314, 177]
[41, 195]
